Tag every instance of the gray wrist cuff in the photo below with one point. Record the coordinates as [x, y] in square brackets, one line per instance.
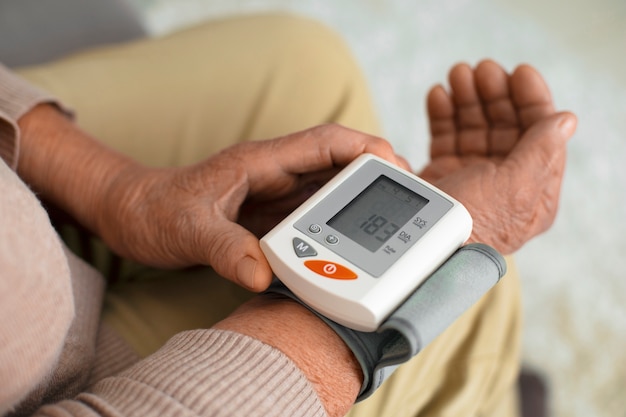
[452, 289]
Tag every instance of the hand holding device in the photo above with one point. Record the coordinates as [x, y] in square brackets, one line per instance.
[357, 248]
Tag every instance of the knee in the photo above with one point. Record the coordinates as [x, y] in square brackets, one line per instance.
[313, 68]
[309, 49]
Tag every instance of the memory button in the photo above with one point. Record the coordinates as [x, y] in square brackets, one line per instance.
[302, 248]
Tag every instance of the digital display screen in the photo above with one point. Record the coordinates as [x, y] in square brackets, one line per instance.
[377, 213]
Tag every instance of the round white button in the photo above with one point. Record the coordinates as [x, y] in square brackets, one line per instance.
[332, 239]
[315, 228]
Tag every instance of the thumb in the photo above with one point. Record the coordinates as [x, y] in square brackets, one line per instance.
[236, 255]
[544, 142]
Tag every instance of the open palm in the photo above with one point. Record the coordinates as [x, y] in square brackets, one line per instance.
[499, 147]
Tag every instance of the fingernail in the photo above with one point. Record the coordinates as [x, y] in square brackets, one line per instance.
[245, 271]
[567, 123]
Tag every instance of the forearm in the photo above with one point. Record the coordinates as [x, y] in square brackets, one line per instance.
[68, 167]
[314, 347]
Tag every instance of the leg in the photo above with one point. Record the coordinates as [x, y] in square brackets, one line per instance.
[177, 99]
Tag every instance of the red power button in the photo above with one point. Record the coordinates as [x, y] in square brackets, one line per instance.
[330, 269]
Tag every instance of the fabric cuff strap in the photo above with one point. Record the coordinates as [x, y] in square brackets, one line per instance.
[452, 289]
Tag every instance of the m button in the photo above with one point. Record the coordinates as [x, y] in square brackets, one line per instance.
[302, 248]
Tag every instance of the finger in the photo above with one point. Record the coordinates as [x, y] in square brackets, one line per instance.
[442, 126]
[235, 254]
[317, 149]
[492, 83]
[403, 163]
[327, 146]
[471, 123]
[531, 95]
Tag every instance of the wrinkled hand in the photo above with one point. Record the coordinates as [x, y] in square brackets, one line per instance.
[187, 216]
[499, 147]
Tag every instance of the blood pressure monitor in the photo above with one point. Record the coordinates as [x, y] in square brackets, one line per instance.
[365, 241]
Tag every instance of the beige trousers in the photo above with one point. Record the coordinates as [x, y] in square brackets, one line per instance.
[176, 99]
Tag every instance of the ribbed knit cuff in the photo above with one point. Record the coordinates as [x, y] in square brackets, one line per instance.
[113, 355]
[17, 97]
[210, 372]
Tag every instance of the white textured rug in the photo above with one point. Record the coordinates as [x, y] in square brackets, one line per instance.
[573, 285]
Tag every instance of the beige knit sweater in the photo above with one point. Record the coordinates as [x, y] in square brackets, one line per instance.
[57, 359]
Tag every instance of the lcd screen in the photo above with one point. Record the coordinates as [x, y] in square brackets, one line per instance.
[377, 213]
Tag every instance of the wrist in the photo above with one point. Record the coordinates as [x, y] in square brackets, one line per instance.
[495, 237]
[315, 348]
[68, 167]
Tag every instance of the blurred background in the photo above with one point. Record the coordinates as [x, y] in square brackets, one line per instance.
[572, 276]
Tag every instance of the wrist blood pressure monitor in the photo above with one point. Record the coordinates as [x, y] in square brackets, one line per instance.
[365, 241]
[377, 254]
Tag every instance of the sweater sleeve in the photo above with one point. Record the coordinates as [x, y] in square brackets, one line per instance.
[17, 97]
[198, 373]
[36, 302]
